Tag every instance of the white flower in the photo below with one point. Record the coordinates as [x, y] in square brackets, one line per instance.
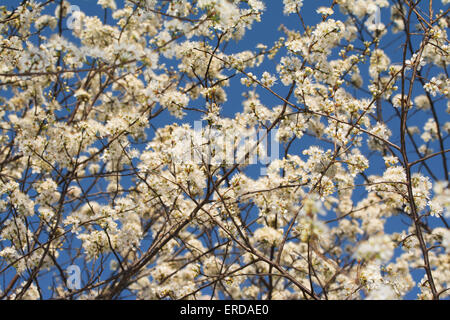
[295, 45]
[268, 80]
[326, 11]
[422, 102]
[379, 247]
[82, 94]
[430, 130]
[382, 292]
[268, 236]
[107, 4]
[174, 101]
[291, 6]
[379, 62]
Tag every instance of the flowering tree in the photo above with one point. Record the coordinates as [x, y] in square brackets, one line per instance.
[105, 170]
